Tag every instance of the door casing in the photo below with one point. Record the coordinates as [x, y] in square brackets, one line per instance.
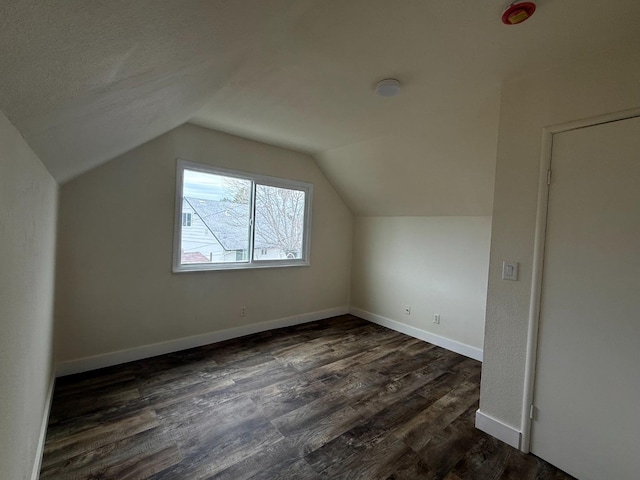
[538, 258]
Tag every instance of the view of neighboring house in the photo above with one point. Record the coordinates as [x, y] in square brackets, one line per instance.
[218, 231]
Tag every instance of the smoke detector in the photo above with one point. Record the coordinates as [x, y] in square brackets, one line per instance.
[518, 12]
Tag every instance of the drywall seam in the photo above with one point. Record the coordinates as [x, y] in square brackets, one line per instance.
[37, 462]
[444, 342]
[497, 429]
[123, 356]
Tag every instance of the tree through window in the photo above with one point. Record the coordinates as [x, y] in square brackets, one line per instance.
[242, 220]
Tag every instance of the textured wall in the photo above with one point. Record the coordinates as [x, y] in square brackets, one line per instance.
[433, 264]
[115, 287]
[27, 244]
[581, 91]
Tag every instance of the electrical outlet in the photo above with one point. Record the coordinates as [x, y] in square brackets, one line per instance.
[407, 310]
[436, 318]
[243, 311]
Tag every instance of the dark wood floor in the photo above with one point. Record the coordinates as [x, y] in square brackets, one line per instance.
[340, 398]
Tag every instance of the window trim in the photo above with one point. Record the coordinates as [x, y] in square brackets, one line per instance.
[251, 263]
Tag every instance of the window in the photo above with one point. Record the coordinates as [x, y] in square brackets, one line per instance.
[243, 220]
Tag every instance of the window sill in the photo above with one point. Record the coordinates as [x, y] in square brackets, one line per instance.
[239, 266]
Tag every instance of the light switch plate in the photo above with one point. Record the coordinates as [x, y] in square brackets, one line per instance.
[510, 270]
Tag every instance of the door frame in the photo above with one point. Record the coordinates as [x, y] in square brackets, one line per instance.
[538, 257]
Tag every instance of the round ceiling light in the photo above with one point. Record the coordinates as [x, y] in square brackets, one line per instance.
[389, 87]
[518, 12]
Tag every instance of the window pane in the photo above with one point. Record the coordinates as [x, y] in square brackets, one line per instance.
[215, 212]
[279, 229]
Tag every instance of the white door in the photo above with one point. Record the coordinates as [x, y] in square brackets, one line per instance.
[587, 387]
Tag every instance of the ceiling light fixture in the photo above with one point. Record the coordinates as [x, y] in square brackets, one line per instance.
[518, 12]
[389, 87]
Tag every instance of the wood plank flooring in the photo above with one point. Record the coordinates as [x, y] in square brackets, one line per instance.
[337, 399]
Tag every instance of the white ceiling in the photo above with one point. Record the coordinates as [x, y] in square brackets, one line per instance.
[86, 81]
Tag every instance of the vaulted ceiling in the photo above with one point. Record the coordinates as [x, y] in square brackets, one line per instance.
[86, 81]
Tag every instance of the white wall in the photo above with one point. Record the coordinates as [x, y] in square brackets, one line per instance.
[28, 197]
[432, 264]
[580, 91]
[115, 287]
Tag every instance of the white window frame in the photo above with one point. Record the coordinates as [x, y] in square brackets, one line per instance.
[255, 178]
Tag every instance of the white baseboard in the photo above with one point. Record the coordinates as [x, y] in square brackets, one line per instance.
[123, 356]
[37, 463]
[496, 428]
[453, 345]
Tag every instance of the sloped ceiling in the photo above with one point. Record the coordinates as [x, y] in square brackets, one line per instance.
[85, 81]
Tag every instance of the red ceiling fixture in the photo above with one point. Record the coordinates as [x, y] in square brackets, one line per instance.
[518, 12]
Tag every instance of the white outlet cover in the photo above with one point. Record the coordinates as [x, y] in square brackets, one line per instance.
[407, 310]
